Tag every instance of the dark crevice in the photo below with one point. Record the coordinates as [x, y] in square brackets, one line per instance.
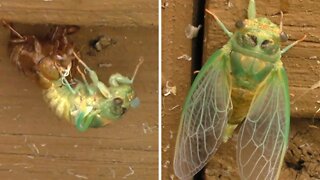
[197, 42]
[197, 52]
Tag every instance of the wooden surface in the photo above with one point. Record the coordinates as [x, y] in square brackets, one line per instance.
[35, 144]
[175, 18]
[302, 62]
[81, 12]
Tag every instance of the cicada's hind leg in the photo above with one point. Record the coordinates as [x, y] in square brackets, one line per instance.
[94, 78]
[222, 26]
[84, 119]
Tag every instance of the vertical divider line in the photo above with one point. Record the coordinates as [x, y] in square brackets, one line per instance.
[197, 42]
[197, 51]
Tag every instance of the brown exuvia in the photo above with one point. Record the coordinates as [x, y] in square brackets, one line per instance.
[43, 58]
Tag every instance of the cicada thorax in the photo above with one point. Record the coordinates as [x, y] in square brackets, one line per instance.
[247, 73]
[255, 53]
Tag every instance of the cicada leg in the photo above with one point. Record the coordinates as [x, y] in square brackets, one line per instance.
[83, 121]
[64, 73]
[94, 78]
[14, 32]
[117, 79]
[89, 89]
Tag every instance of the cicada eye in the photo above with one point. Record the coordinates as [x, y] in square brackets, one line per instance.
[269, 46]
[117, 101]
[283, 37]
[250, 40]
[266, 43]
[239, 24]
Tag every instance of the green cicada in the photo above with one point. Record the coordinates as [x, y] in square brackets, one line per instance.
[242, 83]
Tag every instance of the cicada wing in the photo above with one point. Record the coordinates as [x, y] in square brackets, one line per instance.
[204, 117]
[263, 137]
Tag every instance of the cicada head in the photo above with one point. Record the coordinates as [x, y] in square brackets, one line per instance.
[258, 37]
[123, 97]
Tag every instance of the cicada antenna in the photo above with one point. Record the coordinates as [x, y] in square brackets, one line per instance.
[141, 59]
[222, 26]
[284, 50]
[281, 21]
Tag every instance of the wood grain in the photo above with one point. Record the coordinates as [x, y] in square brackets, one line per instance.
[35, 144]
[176, 15]
[82, 12]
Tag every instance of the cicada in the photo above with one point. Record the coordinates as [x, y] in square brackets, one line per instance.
[242, 84]
[53, 63]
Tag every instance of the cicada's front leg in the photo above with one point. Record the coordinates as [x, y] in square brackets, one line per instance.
[117, 79]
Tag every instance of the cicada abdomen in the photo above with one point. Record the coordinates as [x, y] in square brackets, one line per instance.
[244, 83]
[53, 62]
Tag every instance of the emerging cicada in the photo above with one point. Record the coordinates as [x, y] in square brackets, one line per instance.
[53, 62]
[242, 83]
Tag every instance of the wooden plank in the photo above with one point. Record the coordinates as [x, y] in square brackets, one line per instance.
[35, 144]
[302, 62]
[302, 65]
[81, 12]
[176, 15]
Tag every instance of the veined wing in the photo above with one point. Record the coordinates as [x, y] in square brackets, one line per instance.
[263, 137]
[204, 117]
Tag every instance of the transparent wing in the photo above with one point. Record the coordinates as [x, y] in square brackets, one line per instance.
[263, 137]
[203, 118]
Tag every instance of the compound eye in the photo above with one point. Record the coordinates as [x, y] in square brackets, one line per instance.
[283, 37]
[118, 101]
[265, 44]
[239, 24]
[250, 40]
